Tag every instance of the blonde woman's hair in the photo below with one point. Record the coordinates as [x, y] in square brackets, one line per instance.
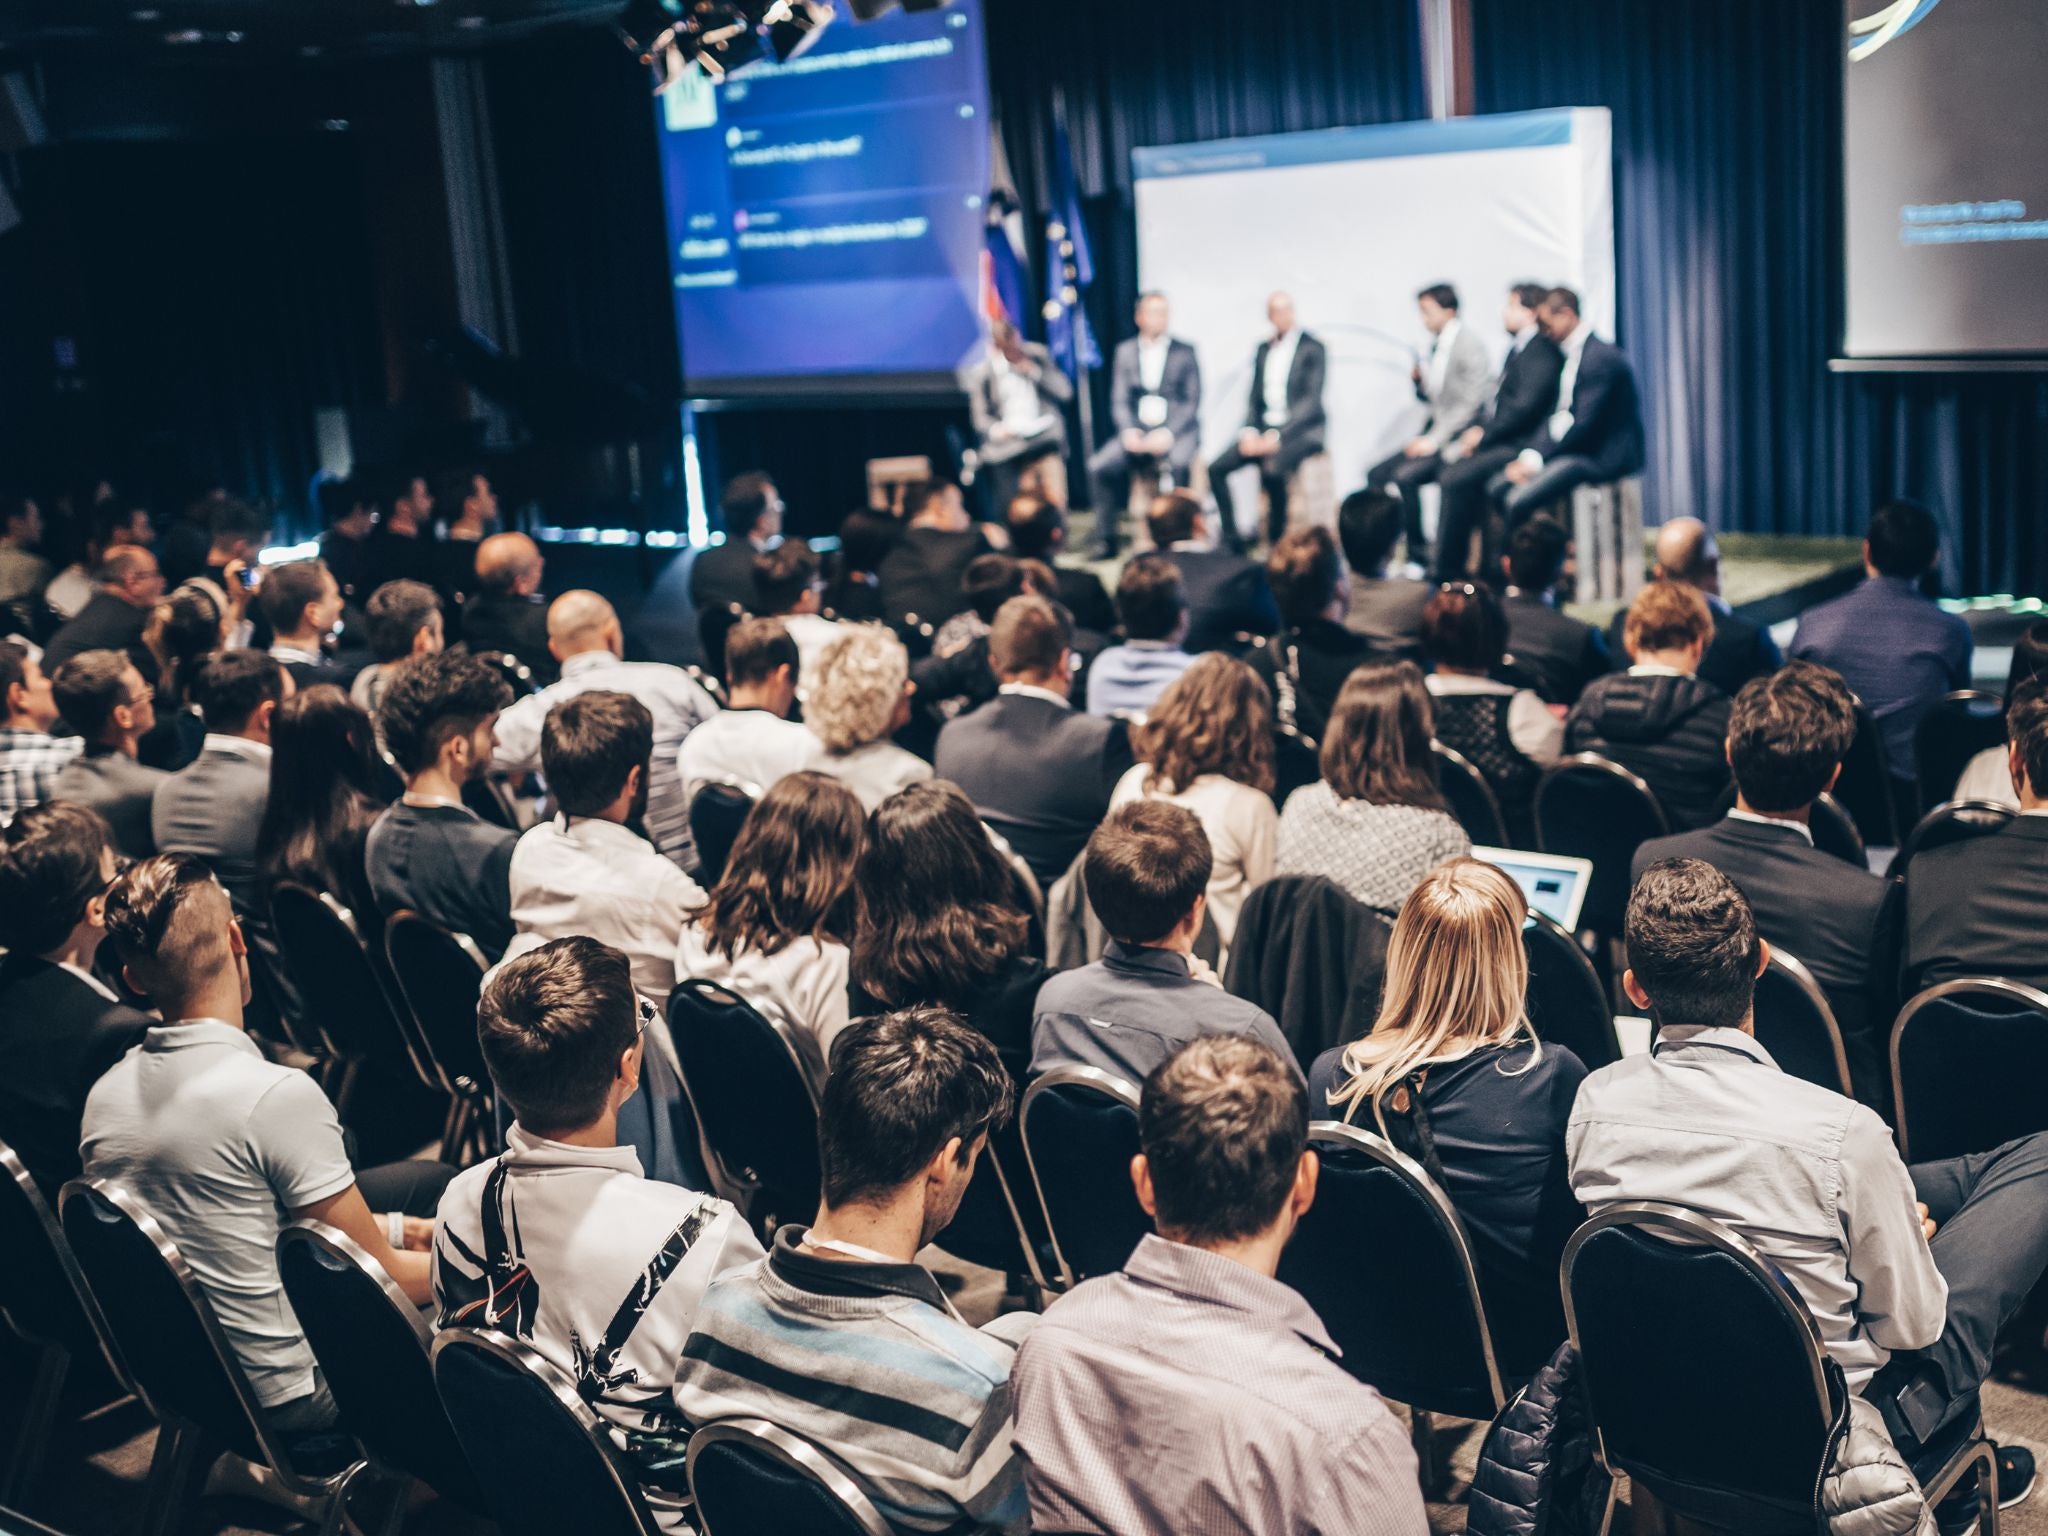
[851, 699]
[1456, 979]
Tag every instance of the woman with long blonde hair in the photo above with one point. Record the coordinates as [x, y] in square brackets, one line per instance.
[1452, 1073]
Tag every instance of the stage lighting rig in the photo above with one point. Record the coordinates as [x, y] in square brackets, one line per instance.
[719, 37]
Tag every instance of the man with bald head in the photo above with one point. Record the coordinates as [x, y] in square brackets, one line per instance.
[507, 612]
[1283, 423]
[127, 585]
[1741, 648]
[584, 636]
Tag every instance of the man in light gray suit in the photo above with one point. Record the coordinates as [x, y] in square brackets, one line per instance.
[1456, 382]
[1155, 399]
[213, 807]
[101, 696]
[1015, 399]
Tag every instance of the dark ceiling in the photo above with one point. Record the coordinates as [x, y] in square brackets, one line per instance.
[214, 31]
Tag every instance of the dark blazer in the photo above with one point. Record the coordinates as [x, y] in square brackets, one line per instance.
[1038, 773]
[1226, 594]
[349, 560]
[1835, 918]
[1305, 417]
[447, 864]
[1740, 650]
[212, 809]
[120, 789]
[1607, 415]
[1323, 655]
[1083, 594]
[1979, 907]
[58, 1036]
[1671, 732]
[389, 556]
[1560, 654]
[1525, 396]
[723, 574]
[105, 623]
[1180, 382]
[1387, 611]
[921, 574]
[502, 621]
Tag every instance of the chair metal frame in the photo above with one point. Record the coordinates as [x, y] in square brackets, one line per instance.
[1826, 803]
[1942, 706]
[794, 1453]
[1110, 1086]
[730, 1185]
[1948, 810]
[1460, 763]
[1550, 925]
[2030, 998]
[469, 1126]
[511, 1351]
[1676, 1224]
[1793, 969]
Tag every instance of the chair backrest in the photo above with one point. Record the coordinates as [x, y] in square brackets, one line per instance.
[1968, 1059]
[1567, 1004]
[1834, 831]
[750, 1478]
[544, 1460]
[1471, 798]
[1383, 1259]
[1865, 787]
[1704, 1374]
[1594, 809]
[1951, 731]
[1296, 762]
[372, 1345]
[43, 1296]
[1796, 1025]
[714, 625]
[717, 811]
[339, 988]
[517, 674]
[440, 975]
[1080, 1130]
[1957, 821]
[753, 1097]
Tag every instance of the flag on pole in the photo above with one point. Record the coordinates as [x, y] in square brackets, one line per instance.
[1069, 269]
[1002, 261]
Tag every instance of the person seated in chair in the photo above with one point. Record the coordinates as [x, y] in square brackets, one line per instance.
[1147, 872]
[1908, 1273]
[302, 602]
[1509, 734]
[213, 806]
[1227, 594]
[1139, 1394]
[840, 1335]
[506, 610]
[1741, 648]
[752, 741]
[30, 756]
[789, 585]
[1153, 605]
[1558, 654]
[404, 620]
[1386, 610]
[1787, 735]
[101, 696]
[561, 1241]
[1306, 662]
[1038, 531]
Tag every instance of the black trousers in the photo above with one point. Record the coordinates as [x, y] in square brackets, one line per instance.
[999, 482]
[1467, 506]
[1275, 470]
[1109, 482]
[1407, 477]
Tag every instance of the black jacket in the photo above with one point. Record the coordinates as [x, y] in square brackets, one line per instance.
[105, 623]
[1038, 773]
[504, 621]
[1559, 654]
[59, 1036]
[1670, 731]
[1227, 595]
[1305, 415]
[1741, 649]
[1310, 662]
[1525, 397]
[1979, 907]
[1083, 594]
[1537, 1472]
[723, 574]
[921, 575]
[1312, 957]
[1607, 415]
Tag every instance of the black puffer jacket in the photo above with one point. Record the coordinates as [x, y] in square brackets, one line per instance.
[1669, 730]
[1537, 1474]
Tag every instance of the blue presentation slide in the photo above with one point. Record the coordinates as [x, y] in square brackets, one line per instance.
[825, 216]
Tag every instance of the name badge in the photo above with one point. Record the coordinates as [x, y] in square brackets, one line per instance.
[1152, 410]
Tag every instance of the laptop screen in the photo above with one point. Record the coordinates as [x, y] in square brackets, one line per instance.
[1554, 885]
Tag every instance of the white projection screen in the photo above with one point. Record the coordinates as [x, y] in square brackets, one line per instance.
[1353, 222]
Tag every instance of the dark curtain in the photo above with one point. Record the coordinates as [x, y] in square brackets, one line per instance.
[1727, 150]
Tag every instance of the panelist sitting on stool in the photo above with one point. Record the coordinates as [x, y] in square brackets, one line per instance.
[1014, 399]
[1155, 399]
[1594, 436]
[1283, 424]
[1455, 383]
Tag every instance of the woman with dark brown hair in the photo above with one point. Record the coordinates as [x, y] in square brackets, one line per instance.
[1207, 744]
[323, 781]
[777, 928]
[1376, 822]
[1507, 733]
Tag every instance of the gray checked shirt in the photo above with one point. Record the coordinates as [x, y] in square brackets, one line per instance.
[1132, 1009]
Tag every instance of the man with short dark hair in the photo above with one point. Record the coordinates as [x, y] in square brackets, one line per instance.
[752, 741]
[213, 806]
[1155, 404]
[724, 573]
[1305, 662]
[561, 1240]
[1139, 1391]
[128, 585]
[1227, 594]
[402, 547]
[303, 603]
[1153, 605]
[1787, 736]
[920, 576]
[840, 1335]
[404, 620]
[1038, 531]
[507, 611]
[1560, 654]
[1741, 648]
[30, 757]
[1146, 871]
[351, 513]
[1454, 381]
[788, 586]
[102, 697]
[1706, 1121]
[1595, 430]
[1386, 610]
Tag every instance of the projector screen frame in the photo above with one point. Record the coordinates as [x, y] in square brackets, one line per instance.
[1976, 362]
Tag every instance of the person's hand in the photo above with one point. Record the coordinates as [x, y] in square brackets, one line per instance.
[999, 433]
[1418, 448]
[1159, 442]
[1469, 438]
[1269, 441]
[1248, 442]
[1201, 970]
[1133, 440]
[1519, 473]
[419, 1234]
[238, 595]
[1926, 1221]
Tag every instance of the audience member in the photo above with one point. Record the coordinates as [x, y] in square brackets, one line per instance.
[1908, 1298]
[1558, 654]
[584, 634]
[113, 522]
[858, 697]
[1787, 735]
[1038, 531]
[1152, 604]
[779, 923]
[1208, 745]
[402, 548]
[1138, 1393]
[184, 632]
[1453, 1075]
[302, 602]
[1227, 593]
[404, 620]
[1037, 770]
[213, 807]
[1306, 661]
[1741, 647]
[430, 853]
[751, 742]
[1657, 719]
[1385, 610]
[468, 491]
[1987, 777]
[1376, 822]
[323, 801]
[351, 514]
[724, 573]
[24, 573]
[61, 1027]
[840, 1335]
[129, 586]
[958, 676]
[507, 612]
[1507, 733]
[30, 757]
[561, 1241]
[237, 533]
[855, 593]
[100, 695]
[920, 576]
[223, 1147]
[988, 582]
[788, 586]
[1147, 871]
[185, 541]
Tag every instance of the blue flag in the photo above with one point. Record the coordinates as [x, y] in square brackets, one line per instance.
[1069, 269]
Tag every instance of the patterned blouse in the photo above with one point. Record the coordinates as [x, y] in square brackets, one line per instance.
[1379, 853]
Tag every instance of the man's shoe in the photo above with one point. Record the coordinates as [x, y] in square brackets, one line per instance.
[1960, 1513]
[2015, 1475]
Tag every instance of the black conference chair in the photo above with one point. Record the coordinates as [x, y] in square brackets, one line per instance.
[1951, 731]
[753, 1090]
[1471, 798]
[1796, 1025]
[1968, 1059]
[1834, 831]
[1956, 822]
[440, 976]
[1568, 1004]
[750, 1478]
[372, 1344]
[1706, 1377]
[1865, 787]
[709, 683]
[1590, 808]
[545, 1461]
[717, 811]
[1080, 1130]
[1295, 762]
[180, 1361]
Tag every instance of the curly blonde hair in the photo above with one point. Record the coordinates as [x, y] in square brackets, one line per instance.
[1216, 717]
[852, 698]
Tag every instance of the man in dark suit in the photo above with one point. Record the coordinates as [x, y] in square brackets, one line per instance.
[509, 612]
[724, 573]
[1559, 654]
[302, 601]
[102, 697]
[213, 806]
[1595, 432]
[128, 586]
[1386, 610]
[1525, 396]
[1038, 531]
[1787, 736]
[61, 1027]
[1038, 770]
[1155, 400]
[921, 575]
[1283, 422]
[1454, 381]
[402, 548]
[1227, 594]
[1741, 647]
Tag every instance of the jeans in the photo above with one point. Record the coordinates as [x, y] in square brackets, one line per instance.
[314, 1414]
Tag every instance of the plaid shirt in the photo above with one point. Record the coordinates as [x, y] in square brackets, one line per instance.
[29, 762]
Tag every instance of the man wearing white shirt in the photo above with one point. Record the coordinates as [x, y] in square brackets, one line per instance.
[1155, 400]
[1595, 431]
[751, 741]
[1455, 381]
[1283, 421]
[789, 587]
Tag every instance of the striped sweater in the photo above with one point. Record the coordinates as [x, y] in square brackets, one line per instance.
[870, 1363]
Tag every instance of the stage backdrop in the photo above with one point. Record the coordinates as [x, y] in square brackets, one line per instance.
[1353, 222]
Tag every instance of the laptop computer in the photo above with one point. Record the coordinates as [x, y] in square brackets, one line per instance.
[1553, 884]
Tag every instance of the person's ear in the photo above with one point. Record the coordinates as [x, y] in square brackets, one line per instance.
[945, 1162]
[555, 648]
[238, 944]
[634, 775]
[2015, 767]
[423, 640]
[1763, 955]
[96, 911]
[1833, 779]
[1303, 1194]
[1635, 991]
[1728, 755]
[128, 980]
[1141, 1182]
[785, 677]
